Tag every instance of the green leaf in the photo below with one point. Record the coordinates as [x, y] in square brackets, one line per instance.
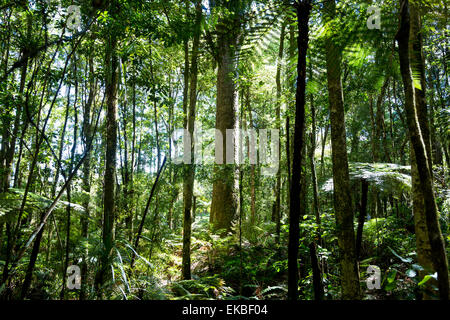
[391, 283]
[417, 267]
[424, 280]
[391, 276]
[405, 260]
[390, 286]
[411, 273]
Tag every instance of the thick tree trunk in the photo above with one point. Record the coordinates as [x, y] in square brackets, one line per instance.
[414, 105]
[342, 197]
[224, 199]
[424, 252]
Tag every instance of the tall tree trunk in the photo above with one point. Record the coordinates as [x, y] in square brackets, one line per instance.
[380, 134]
[188, 186]
[277, 212]
[410, 56]
[313, 164]
[303, 9]
[252, 166]
[129, 218]
[110, 162]
[86, 184]
[155, 112]
[224, 200]
[69, 187]
[127, 166]
[342, 197]
[322, 154]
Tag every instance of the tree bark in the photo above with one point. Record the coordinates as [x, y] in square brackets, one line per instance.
[313, 165]
[406, 33]
[277, 205]
[342, 197]
[224, 199]
[303, 9]
[86, 184]
[252, 167]
[188, 187]
[109, 191]
[317, 273]
[362, 216]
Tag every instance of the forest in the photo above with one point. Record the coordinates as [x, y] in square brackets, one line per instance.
[224, 150]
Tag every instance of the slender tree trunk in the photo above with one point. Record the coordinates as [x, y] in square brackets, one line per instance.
[129, 219]
[252, 169]
[147, 207]
[86, 186]
[37, 242]
[127, 167]
[342, 197]
[9, 142]
[277, 212]
[324, 142]
[317, 273]
[188, 187]
[8, 147]
[69, 187]
[379, 127]
[303, 9]
[21, 252]
[61, 146]
[288, 161]
[313, 165]
[110, 162]
[33, 257]
[155, 112]
[362, 216]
